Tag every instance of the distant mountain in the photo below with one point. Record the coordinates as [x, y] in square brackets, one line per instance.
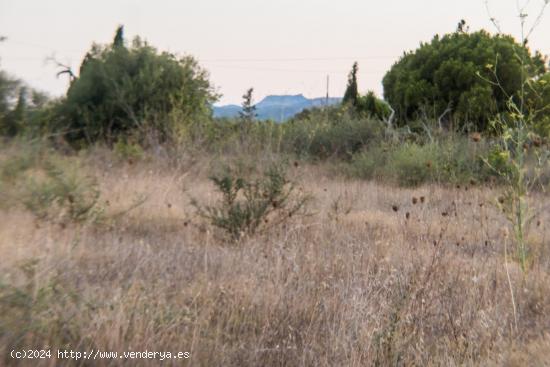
[277, 108]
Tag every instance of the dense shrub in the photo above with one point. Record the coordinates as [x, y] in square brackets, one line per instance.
[122, 88]
[453, 72]
[333, 133]
[452, 159]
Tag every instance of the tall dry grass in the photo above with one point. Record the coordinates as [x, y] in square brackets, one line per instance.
[375, 276]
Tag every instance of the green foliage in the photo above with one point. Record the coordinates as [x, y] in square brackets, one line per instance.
[62, 194]
[128, 151]
[414, 164]
[50, 187]
[118, 41]
[247, 205]
[521, 163]
[22, 109]
[538, 103]
[446, 159]
[452, 72]
[332, 132]
[369, 164]
[123, 89]
[368, 105]
[248, 113]
[352, 93]
[498, 160]
[8, 90]
[373, 107]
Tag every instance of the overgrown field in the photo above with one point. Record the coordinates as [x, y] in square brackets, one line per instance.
[110, 254]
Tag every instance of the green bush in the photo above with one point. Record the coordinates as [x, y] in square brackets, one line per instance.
[247, 205]
[122, 89]
[460, 160]
[369, 164]
[61, 193]
[452, 72]
[448, 159]
[128, 151]
[414, 164]
[50, 186]
[333, 133]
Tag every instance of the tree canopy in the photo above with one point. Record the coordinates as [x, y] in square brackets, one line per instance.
[468, 77]
[123, 88]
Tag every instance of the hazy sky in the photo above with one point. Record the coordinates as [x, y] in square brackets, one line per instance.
[277, 47]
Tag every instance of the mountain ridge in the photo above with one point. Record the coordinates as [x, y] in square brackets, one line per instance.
[277, 108]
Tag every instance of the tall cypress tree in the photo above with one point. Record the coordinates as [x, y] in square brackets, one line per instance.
[119, 37]
[352, 94]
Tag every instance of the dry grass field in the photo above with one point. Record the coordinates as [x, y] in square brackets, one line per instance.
[373, 275]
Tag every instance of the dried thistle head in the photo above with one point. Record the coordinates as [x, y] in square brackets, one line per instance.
[505, 232]
[414, 200]
[476, 137]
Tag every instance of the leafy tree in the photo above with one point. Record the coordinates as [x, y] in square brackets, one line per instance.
[465, 77]
[124, 90]
[352, 94]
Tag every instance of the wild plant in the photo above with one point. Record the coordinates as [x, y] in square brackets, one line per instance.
[520, 155]
[248, 204]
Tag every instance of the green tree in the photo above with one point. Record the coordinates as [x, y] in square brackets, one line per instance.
[448, 78]
[352, 93]
[18, 116]
[124, 90]
[119, 37]
[248, 113]
[8, 90]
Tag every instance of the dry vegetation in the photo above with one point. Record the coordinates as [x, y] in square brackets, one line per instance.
[375, 275]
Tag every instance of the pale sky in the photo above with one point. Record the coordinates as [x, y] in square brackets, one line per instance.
[277, 47]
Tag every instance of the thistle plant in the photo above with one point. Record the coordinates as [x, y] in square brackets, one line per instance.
[521, 156]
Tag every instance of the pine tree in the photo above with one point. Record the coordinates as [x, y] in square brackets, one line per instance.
[352, 92]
